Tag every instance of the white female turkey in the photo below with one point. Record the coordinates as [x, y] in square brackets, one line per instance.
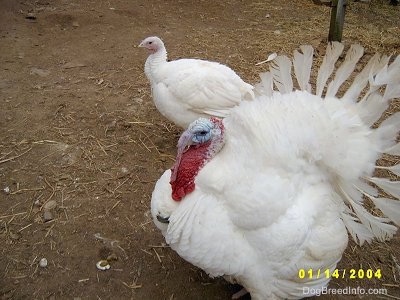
[272, 188]
[186, 89]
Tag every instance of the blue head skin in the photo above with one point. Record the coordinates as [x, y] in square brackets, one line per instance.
[200, 132]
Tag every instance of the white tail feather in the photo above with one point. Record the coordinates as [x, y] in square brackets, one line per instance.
[266, 86]
[389, 207]
[393, 88]
[390, 187]
[333, 52]
[389, 74]
[371, 109]
[347, 67]
[392, 91]
[281, 70]
[358, 231]
[394, 169]
[388, 131]
[302, 63]
[373, 84]
[366, 189]
[378, 226]
[373, 103]
[361, 80]
[393, 150]
[375, 77]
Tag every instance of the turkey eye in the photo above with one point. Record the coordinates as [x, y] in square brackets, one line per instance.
[150, 43]
[203, 132]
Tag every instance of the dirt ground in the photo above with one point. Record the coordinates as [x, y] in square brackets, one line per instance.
[81, 143]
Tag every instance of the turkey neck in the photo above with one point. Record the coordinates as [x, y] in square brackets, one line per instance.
[153, 62]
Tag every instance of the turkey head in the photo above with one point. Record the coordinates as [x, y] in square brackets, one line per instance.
[197, 145]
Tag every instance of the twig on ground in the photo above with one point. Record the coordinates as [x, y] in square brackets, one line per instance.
[16, 156]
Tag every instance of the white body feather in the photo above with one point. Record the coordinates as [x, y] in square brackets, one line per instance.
[184, 90]
[281, 193]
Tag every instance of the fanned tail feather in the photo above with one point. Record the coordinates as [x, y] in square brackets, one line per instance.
[393, 150]
[389, 207]
[302, 63]
[266, 86]
[360, 82]
[378, 75]
[344, 71]
[395, 169]
[369, 96]
[393, 86]
[361, 224]
[390, 187]
[281, 70]
[333, 52]
[388, 130]
[357, 230]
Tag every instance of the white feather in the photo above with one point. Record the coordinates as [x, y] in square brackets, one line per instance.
[388, 130]
[266, 86]
[390, 187]
[302, 63]
[270, 57]
[358, 231]
[389, 207]
[281, 71]
[378, 226]
[392, 91]
[393, 88]
[395, 169]
[389, 74]
[393, 150]
[372, 108]
[346, 68]
[361, 80]
[366, 188]
[377, 68]
[333, 52]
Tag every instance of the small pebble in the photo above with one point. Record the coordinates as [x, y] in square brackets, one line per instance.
[43, 262]
[50, 205]
[6, 190]
[47, 216]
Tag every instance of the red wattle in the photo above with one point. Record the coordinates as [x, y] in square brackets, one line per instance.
[192, 161]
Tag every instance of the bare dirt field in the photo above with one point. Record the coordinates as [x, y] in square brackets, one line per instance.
[81, 143]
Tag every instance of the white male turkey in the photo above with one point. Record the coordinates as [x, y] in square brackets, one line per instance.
[186, 89]
[272, 188]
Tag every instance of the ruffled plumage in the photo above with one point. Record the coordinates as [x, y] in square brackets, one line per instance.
[290, 181]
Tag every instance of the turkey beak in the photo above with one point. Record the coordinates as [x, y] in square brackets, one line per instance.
[185, 141]
[164, 220]
[183, 144]
[141, 45]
